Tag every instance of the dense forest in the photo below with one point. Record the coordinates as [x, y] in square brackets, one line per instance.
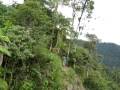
[38, 49]
[111, 54]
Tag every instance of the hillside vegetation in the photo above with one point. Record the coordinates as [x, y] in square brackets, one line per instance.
[35, 53]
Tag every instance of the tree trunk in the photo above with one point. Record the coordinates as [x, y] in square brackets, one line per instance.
[1, 59]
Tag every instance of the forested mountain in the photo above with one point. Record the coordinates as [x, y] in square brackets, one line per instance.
[110, 53]
[36, 53]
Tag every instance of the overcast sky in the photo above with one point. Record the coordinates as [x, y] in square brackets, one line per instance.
[107, 23]
[106, 20]
[11, 1]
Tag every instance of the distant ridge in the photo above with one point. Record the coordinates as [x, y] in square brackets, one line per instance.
[110, 53]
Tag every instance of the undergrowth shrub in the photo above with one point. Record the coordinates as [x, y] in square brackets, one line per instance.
[48, 70]
[3, 85]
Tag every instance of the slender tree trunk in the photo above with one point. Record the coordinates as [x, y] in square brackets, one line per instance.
[51, 45]
[1, 59]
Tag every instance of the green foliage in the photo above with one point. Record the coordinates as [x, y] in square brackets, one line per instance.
[30, 33]
[90, 6]
[26, 85]
[52, 66]
[1, 71]
[100, 80]
[3, 39]
[69, 75]
[4, 50]
[82, 61]
[96, 85]
[30, 14]
[3, 85]
[21, 42]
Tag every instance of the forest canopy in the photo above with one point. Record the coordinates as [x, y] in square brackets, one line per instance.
[35, 53]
